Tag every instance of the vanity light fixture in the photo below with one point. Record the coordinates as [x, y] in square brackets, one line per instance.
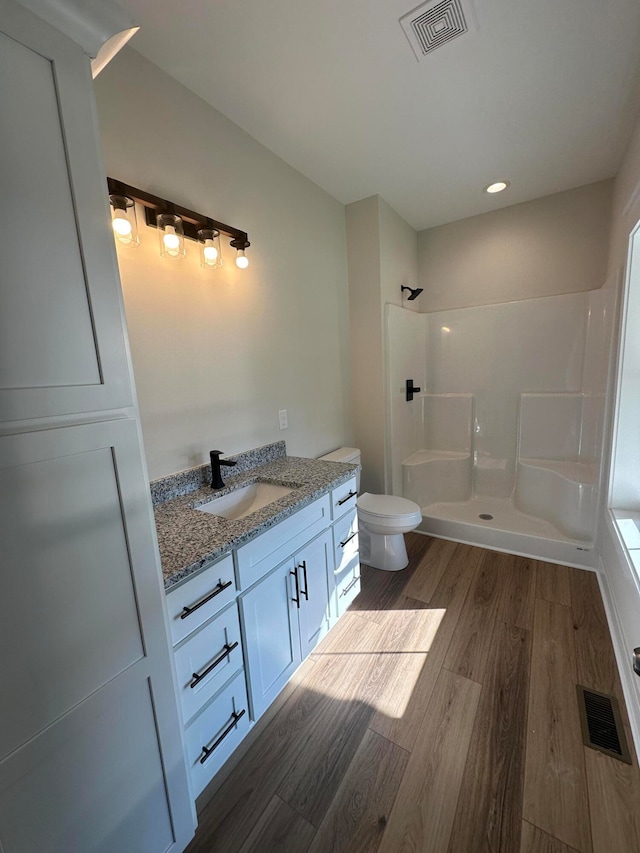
[175, 224]
[124, 221]
[497, 187]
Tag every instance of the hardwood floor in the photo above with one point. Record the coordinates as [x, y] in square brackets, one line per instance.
[440, 716]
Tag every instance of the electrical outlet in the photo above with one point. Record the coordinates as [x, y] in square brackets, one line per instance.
[283, 418]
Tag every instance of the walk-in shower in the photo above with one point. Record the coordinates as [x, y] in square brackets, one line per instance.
[503, 445]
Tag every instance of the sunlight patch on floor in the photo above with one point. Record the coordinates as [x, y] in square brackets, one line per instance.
[397, 644]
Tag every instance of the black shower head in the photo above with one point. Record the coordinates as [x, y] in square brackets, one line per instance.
[414, 292]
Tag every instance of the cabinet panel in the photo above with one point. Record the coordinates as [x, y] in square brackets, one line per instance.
[194, 602]
[67, 591]
[207, 659]
[312, 565]
[93, 782]
[219, 728]
[263, 553]
[62, 346]
[50, 286]
[272, 644]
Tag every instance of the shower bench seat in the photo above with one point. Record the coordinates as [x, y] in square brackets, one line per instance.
[429, 476]
[562, 491]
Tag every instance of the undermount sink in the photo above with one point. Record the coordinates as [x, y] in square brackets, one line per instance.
[244, 501]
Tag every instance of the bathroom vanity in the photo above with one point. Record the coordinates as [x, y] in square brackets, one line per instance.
[249, 598]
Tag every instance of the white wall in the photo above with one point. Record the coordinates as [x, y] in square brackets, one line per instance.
[552, 245]
[216, 355]
[382, 256]
[366, 339]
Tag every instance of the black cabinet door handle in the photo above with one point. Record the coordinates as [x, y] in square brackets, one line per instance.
[206, 751]
[297, 595]
[187, 611]
[347, 498]
[304, 591]
[348, 539]
[226, 651]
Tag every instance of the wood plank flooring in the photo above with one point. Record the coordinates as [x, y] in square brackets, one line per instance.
[440, 716]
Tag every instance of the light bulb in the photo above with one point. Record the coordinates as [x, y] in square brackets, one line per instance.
[121, 226]
[210, 252]
[171, 240]
[242, 261]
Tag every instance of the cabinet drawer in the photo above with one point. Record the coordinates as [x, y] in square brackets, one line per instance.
[216, 732]
[200, 598]
[345, 541]
[207, 659]
[347, 586]
[263, 553]
[343, 498]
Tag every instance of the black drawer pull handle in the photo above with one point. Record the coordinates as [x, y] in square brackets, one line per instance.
[350, 586]
[198, 676]
[347, 498]
[297, 595]
[304, 591]
[187, 611]
[348, 539]
[206, 751]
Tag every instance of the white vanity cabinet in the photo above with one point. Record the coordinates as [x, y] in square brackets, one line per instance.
[241, 627]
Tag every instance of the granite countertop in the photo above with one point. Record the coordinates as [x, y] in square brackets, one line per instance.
[189, 538]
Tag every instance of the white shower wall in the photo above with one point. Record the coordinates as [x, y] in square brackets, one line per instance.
[496, 352]
[535, 372]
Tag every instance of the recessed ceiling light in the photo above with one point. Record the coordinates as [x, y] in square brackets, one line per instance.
[497, 186]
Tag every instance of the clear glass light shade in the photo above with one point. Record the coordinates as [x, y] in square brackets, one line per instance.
[210, 254]
[124, 221]
[171, 235]
[242, 261]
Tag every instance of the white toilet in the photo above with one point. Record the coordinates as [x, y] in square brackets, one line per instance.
[382, 521]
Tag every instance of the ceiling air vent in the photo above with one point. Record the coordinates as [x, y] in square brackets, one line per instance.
[434, 24]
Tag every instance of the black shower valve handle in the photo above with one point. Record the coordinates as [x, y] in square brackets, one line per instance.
[411, 390]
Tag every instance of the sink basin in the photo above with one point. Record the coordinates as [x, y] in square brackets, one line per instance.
[244, 501]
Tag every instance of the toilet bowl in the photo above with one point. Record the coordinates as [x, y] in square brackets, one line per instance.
[382, 521]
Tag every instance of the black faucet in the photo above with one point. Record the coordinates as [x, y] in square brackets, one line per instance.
[216, 462]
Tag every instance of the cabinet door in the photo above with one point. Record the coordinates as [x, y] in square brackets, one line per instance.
[89, 729]
[62, 344]
[312, 566]
[272, 646]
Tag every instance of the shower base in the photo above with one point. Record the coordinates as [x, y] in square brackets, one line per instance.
[509, 530]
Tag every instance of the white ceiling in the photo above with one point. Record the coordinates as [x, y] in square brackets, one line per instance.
[543, 94]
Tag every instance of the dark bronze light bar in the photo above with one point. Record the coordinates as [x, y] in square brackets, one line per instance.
[192, 221]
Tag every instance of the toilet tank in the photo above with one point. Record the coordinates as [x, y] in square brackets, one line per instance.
[345, 454]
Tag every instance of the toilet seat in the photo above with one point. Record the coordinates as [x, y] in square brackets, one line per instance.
[395, 510]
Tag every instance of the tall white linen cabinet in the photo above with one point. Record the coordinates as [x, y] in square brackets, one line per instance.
[91, 757]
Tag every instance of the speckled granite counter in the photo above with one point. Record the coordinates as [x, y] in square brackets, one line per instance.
[189, 538]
